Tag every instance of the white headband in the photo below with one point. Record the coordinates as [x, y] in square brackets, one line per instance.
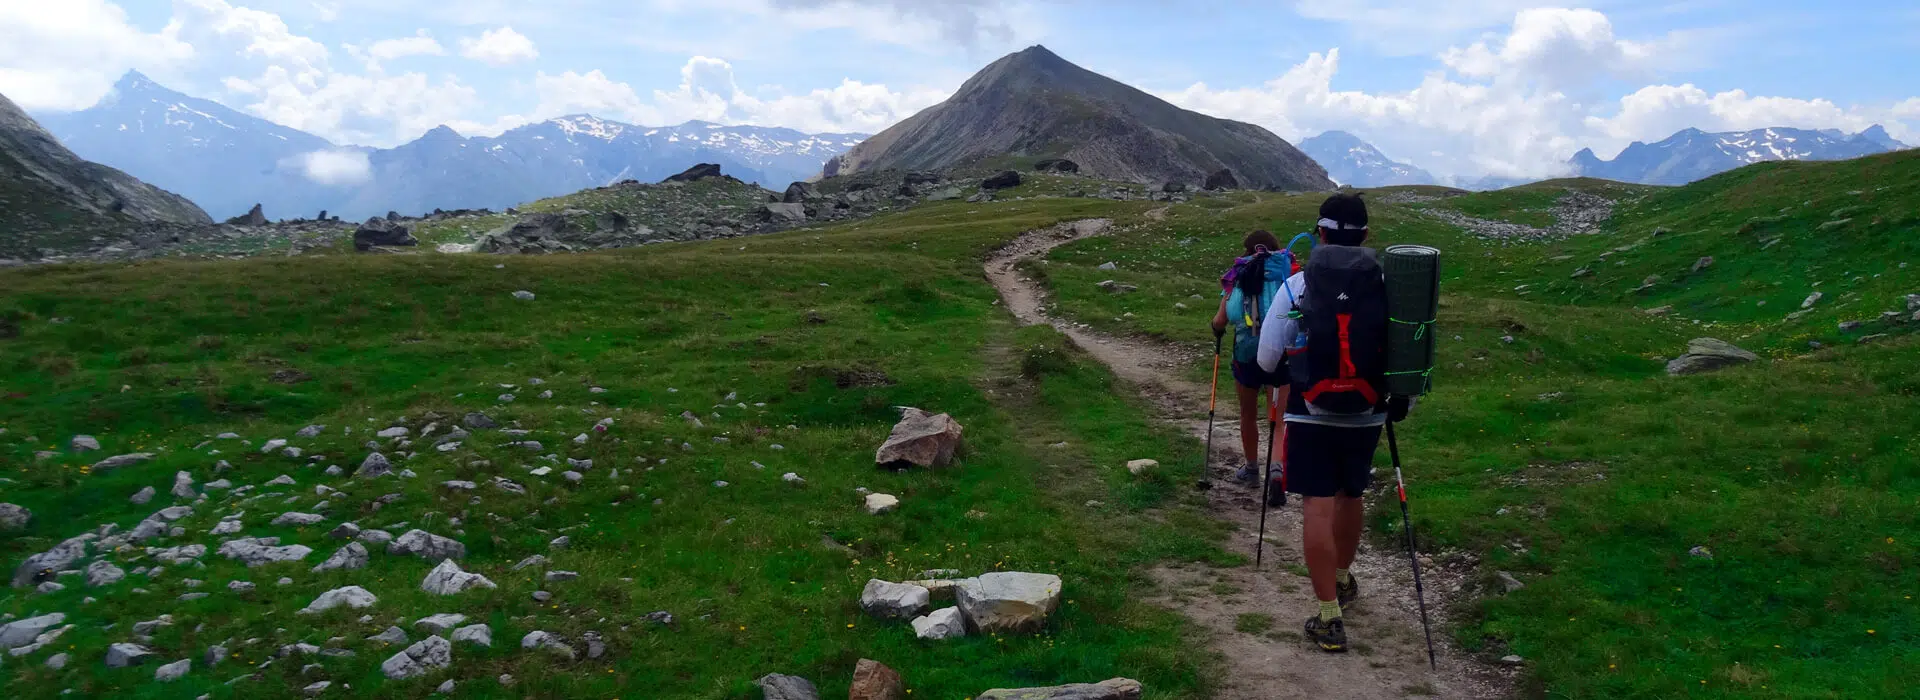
[1332, 225]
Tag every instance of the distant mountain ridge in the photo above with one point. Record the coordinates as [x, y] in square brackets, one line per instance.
[1356, 163]
[46, 188]
[1035, 104]
[227, 160]
[1692, 154]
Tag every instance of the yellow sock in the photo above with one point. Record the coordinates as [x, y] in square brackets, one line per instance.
[1329, 610]
[1342, 575]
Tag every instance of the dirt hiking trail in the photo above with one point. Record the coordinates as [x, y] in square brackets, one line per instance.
[1387, 656]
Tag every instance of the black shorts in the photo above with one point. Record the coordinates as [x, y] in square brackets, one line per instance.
[1325, 461]
[1250, 375]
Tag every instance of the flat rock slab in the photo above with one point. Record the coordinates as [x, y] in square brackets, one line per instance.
[1008, 601]
[20, 633]
[1708, 354]
[893, 601]
[1114, 689]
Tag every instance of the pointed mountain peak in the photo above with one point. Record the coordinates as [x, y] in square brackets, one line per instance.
[441, 132]
[1037, 54]
[136, 82]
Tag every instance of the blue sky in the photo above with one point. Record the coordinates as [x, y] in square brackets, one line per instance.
[1465, 88]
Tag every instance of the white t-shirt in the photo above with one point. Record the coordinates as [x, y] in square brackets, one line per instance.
[1278, 330]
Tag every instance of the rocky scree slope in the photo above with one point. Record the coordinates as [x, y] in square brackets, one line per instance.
[1036, 104]
[44, 188]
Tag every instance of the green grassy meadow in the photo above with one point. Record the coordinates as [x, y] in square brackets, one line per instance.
[1555, 446]
[816, 335]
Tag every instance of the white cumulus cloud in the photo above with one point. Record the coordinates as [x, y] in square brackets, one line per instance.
[65, 55]
[708, 92]
[499, 47]
[1520, 105]
[338, 167]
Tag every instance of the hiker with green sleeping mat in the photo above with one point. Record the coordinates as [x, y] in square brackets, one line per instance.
[1327, 331]
[1243, 302]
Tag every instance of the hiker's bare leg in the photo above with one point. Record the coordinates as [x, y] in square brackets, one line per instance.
[1348, 519]
[1320, 544]
[1249, 422]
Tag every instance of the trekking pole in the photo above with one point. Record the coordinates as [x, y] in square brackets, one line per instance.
[1266, 480]
[1213, 397]
[1413, 556]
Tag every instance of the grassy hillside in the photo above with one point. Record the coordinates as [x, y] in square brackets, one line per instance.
[1532, 204]
[792, 349]
[1776, 233]
[1556, 448]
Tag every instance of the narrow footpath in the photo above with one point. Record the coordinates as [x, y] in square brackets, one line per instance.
[1388, 658]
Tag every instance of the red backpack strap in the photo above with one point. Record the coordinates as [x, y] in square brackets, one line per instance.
[1346, 347]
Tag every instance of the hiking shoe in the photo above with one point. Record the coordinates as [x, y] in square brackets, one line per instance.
[1248, 475]
[1347, 592]
[1276, 495]
[1330, 635]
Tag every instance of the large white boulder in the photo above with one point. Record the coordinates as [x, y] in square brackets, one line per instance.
[1008, 601]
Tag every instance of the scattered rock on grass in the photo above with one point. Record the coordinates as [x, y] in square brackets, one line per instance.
[375, 465]
[21, 633]
[123, 654]
[173, 671]
[544, 640]
[440, 623]
[1141, 466]
[774, 686]
[872, 680]
[352, 556]
[893, 601]
[477, 634]
[417, 660]
[920, 438]
[254, 551]
[1708, 354]
[448, 579]
[945, 623]
[13, 517]
[118, 461]
[881, 503]
[350, 596]
[428, 546]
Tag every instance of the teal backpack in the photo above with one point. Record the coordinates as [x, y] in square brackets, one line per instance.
[1258, 283]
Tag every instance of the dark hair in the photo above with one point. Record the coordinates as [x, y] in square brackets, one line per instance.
[1261, 239]
[1349, 213]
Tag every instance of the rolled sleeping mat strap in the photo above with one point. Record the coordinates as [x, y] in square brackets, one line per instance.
[1413, 305]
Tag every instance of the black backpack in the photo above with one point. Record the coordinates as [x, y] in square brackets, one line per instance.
[1344, 314]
